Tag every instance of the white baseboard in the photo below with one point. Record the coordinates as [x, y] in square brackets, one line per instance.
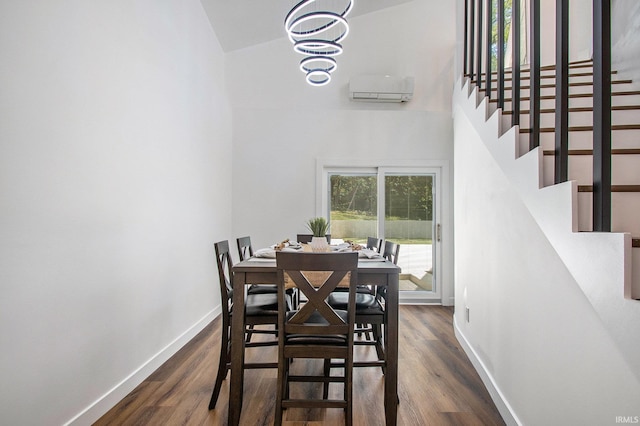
[408, 298]
[498, 398]
[103, 404]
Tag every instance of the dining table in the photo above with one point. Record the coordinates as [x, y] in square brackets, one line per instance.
[256, 270]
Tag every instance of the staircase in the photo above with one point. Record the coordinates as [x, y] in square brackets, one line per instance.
[625, 160]
[604, 264]
[558, 168]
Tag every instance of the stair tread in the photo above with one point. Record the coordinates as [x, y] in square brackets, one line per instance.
[551, 86]
[545, 76]
[614, 188]
[616, 151]
[575, 64]
[575, 95]
[584, 128]
[576, 109]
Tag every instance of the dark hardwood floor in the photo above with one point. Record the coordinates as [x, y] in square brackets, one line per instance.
[437, 384]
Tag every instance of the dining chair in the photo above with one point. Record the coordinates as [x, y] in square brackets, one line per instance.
[245, 251]
[306, 238]
[374, 243]
[315, 330]
[370, 314]
[391, 251]
[259, 309]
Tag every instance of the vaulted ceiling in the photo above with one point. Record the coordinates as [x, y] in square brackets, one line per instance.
[243, 23]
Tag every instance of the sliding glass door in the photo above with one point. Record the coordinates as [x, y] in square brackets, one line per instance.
[408, 220]
[395, 204]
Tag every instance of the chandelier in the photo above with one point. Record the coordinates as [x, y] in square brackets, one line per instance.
[317, 28]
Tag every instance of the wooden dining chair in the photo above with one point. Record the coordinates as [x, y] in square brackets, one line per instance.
[245, 251]
[374, 243]
[391, 251]
[370, 314]
[315, 330]
[259, 309]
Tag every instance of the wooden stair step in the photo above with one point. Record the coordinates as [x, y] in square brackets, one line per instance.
[618, 151]
[574, 95]
[546, 76]
[585, 128]
[614, 188]
[576, 109]
[576, 64]
[551, 86]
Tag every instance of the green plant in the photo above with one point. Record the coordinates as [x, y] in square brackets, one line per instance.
[318, 226]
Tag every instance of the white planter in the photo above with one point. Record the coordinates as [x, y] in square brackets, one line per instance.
[319, 244]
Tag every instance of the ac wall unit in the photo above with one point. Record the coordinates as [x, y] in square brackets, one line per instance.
[380, 88]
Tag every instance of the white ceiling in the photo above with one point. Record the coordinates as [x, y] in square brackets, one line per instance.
[243, 23]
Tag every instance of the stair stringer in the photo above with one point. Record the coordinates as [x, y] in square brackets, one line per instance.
[599, 262]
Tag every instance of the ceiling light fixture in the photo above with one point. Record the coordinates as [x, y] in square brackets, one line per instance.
[316, 28]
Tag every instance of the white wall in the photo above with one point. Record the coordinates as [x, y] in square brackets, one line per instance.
[531, 331]
[115, 167]
[282, 126]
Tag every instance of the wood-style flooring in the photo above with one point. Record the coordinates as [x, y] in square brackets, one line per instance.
[437, 384]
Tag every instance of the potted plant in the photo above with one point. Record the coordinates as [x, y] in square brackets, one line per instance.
[319, 228]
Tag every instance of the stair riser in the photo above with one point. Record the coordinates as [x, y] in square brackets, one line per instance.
[624, 208]
[578, 102]
[584, 140]
[624, 169]
[547, 79]
[583, 118]
[544, 91]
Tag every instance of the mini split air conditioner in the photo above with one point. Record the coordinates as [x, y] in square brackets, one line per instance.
[380, 88]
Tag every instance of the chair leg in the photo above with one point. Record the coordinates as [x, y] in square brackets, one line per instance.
[223, 369]
[327, 373]
[348, 391]
[377, 334]
[280, 390]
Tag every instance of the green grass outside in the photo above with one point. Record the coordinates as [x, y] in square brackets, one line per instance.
[352, 215]
[395, 240]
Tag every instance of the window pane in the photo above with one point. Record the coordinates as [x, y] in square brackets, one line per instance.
[353, 206]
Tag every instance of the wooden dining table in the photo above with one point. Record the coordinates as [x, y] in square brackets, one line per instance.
[263, 271]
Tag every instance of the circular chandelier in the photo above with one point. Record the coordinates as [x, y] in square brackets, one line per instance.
[316, 28]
